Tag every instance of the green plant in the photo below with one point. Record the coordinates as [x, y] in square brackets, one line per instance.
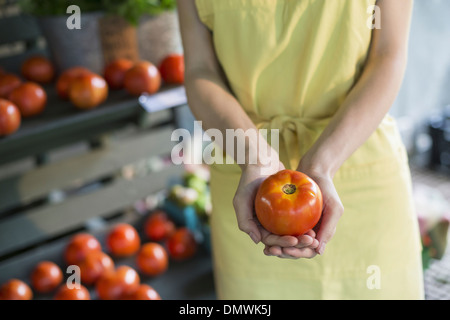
[130, 10]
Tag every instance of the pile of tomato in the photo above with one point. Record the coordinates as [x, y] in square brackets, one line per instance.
[24, 95]
[162, 242]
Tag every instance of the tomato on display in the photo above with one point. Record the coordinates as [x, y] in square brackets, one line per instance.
[30, 98]
[172, 69]
[94, 265]
[114, 72]
[8, 82]
[117, 284]
[88, 91]
[76, 293]
[143, 77]
[181, 244]
[144, 292]
[46, 277]
[79, 246]
[123, 240]
[152, 259]
[38, 69]
[158, 226]
[288, 203]
[10, 117]
[65, 79]
[15, 289]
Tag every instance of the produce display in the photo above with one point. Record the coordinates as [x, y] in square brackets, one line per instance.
[83, 88]
[102, 268]
[288, 203]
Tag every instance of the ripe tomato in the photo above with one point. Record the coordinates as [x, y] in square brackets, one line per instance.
[172, 69]
[79, 246]
[123, 240]
[158, 226]
[117, 284]
[30, 98]
[94, 265]
[144, 292]
[114, 72]
[288, 203]
[88, 91]
[152, 259]
[181, 244]
[65, 293]
[143, 77]
[66, 78]
[46, 277]
[15, 289]
[38, 69]
[8, 82]
[10, 117]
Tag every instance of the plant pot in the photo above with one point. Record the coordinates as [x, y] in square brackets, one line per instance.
[159, 36]
[118, 39]
[73, 47]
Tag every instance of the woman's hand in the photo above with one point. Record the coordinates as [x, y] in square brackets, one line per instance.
[282, 246]
[332, 205]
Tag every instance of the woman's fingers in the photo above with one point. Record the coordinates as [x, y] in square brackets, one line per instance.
[290, 252]
[332, 212]
[270, 239]
[246, 219]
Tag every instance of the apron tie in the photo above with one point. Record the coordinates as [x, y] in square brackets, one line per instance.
[296, 135]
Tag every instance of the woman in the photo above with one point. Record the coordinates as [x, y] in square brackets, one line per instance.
[317, 71]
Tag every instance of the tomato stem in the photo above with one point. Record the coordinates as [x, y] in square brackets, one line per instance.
[289, 188]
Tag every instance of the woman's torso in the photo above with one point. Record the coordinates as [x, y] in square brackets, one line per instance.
[291, 64]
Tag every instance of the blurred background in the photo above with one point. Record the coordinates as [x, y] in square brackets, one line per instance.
[71, 166]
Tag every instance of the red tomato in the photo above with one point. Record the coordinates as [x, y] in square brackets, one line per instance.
[114, 73]
[46, 277]
[143, 77]
[94, 265]
[79, 246]
[66, 78]
[15, 289]
[123, 240]
[288, 203]
[158, 226]
[181, 244]
[152, 259]
[10, 117]
[65, 293]
[172, 69]
[117, 284]
[88, 91]
[38, 69]
[8, 82]
[30, 98]
[144, 292]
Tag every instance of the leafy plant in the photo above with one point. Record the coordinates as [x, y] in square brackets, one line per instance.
[130, 10]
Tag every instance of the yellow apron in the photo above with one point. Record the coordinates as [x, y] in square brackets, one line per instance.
[291, 63]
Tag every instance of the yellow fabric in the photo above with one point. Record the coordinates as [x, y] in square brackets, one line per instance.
[291, 63]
